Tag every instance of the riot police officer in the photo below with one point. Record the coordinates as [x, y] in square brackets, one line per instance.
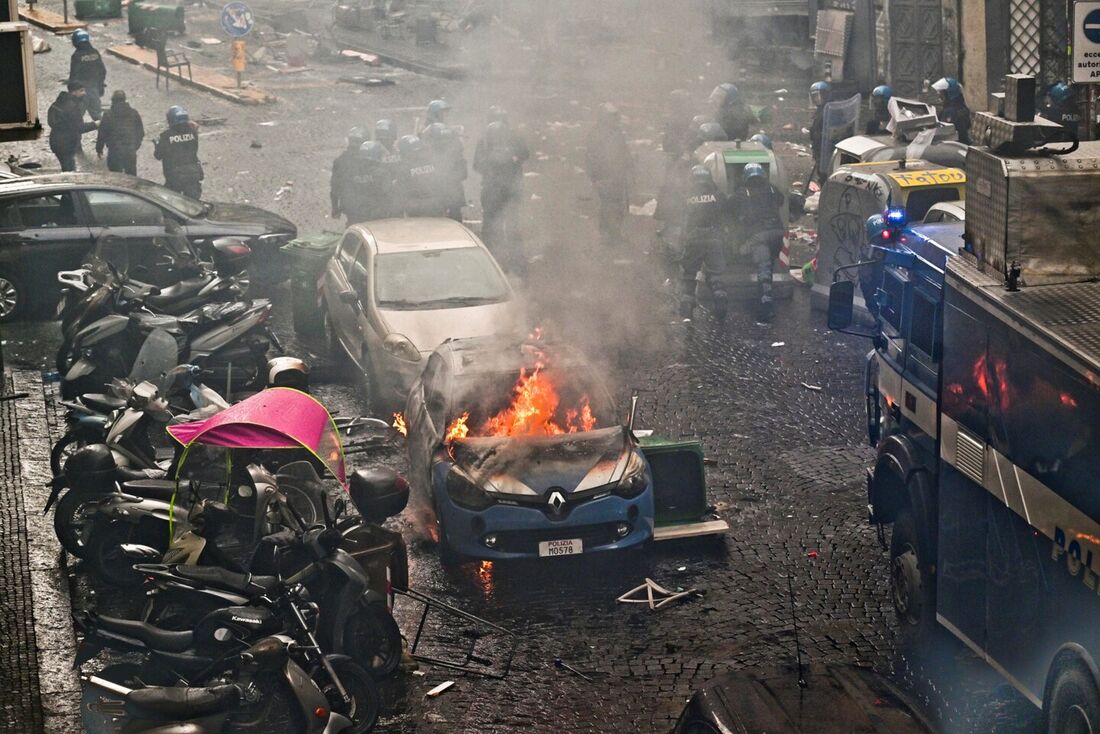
[437, 112]
[710, 132]
[733, 114]
[953, 107]
[370, 195]
[385, 132]
[819, 95]
[445, 152]
[418, 180]
[499, 158]
[763, 140]
[610, 167]
[704, 240]
[86, 66]
[880, 111]
[341, 184]
[1061, 107]
[758, 206]
[178, 151]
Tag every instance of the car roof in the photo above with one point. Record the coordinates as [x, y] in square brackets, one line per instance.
[416, 233]
[54, 180]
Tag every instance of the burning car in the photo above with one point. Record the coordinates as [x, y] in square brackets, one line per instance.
[520, 449]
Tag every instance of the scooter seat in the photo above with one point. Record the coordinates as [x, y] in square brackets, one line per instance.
[242, 583]
[152, 637]
[152, 489]
[102, 403]
[177, 292]
[181, 703]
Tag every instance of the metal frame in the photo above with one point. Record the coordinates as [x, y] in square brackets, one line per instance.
[30, 127]
[472, 663]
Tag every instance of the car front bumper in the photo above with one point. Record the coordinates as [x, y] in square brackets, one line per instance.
[520, 528]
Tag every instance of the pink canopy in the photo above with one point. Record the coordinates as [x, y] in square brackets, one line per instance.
[276, 418]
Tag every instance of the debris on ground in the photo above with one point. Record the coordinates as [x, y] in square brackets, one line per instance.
[645, 210]
[371, 59]
[439, 689]
[779, 344]
[256, 144]
[815, 388]
[39, 45]
[367, 81]
[562, 665]
[656, 596]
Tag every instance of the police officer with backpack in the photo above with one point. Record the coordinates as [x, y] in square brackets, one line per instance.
[706, 220]
[86, 66]
[758, 206]
[178, 151]
[341, 184]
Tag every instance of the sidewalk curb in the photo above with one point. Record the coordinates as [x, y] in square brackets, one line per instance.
[246, 95]
[444, 72]
[58, 683]
[50, 21]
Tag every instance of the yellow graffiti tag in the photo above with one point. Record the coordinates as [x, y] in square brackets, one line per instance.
[936, 177]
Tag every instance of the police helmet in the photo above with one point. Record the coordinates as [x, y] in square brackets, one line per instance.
[700, 176]
[409, 144]
[883, 92]
[372, 150]
[753, 171]
[436, 108]
[877, 229]
[177, 115]
[710, 131]
[434, 132]
[356, 136]
[494, 132]
[385, 131]
[81, 37]
[948, 87]
[94, 465]
[762, 139]
[700, 120]
[819, 92]
[725, 94]
[1059, 92]
[288, 372]
[498, 114]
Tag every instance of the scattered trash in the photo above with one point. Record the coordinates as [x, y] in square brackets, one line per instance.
[419, 673]
[256, 144]
[39, 45]
[812, 202]
[206, 41]
[530, 174]
[656, 596]
[283, 190]
[812, 554]
[368, 81]
[681, 569]
[206, 121]
[808, 386]
[439, 689]
[561, 664]
[779, 344]
[645, 210]
[365, 58]
[269, 123]
[780, 91]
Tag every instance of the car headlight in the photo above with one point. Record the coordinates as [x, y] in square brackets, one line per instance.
[400, 347]
[465, 493]
[635, 478]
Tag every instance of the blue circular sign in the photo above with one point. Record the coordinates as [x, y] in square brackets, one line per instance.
[1092, 26]
[237, 19]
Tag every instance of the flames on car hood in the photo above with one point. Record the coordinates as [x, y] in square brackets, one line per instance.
[530, 465]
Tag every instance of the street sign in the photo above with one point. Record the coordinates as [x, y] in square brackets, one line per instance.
[1086, 42]
[237, 19]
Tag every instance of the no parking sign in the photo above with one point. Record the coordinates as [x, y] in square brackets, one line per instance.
[1086, 42]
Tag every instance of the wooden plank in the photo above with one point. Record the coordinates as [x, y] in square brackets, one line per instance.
[50, 20]
[690, 530]
[202, 78]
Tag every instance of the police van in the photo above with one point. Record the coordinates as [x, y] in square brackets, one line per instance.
[984, 408]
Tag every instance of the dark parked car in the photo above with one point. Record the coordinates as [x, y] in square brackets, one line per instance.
[49, 223]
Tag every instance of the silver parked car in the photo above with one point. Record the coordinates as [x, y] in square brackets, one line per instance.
[395, 289]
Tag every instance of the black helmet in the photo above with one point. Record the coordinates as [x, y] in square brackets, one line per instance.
[93, 466]
[700, 176]
[711, 132]
[356, 137]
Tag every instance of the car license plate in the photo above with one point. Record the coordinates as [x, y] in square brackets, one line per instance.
[568, 547]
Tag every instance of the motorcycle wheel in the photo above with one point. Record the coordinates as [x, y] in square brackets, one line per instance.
[276, 709]
[108, 560]
[69, 521]
[373, 638]
[363, 692]
[63, 449]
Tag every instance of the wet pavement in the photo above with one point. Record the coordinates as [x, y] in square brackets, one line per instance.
[778, 407]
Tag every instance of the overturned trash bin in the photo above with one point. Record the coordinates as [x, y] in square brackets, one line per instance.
[94, 9]
[307, 258]
[168, 18]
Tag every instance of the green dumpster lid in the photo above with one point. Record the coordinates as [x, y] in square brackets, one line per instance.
[735, 155]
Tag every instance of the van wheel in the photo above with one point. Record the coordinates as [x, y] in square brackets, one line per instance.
[1074, 706]
[11, 297]
[911, 584]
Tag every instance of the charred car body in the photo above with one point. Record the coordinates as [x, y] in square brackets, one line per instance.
[519, 448]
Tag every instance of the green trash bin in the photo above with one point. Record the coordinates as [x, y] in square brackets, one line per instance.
[307, 257]
[94, 9]
[168, 18]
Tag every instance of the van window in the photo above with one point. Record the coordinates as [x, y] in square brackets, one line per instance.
[920, 201]
[891, 299]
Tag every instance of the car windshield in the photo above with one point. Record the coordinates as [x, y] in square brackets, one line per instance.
[450, 278]
[183, 204]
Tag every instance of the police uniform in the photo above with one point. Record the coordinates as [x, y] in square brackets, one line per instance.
[760, 226]
[86, 66]
[340, 185]
[705, 233]
[178, 151]
[957, 113]
[370, 191]
[500, 164]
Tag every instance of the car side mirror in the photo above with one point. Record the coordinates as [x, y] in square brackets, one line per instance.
[841, 297]
[350, 298]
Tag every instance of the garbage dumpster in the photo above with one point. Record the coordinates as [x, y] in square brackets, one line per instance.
[307, 257]
[167, 18]
[89, 9]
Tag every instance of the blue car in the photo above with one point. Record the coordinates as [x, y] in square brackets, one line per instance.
[520, 451]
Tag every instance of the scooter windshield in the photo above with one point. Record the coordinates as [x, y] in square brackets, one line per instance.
[157, 355]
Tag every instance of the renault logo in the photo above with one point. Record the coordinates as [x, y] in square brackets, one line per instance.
[556, 500]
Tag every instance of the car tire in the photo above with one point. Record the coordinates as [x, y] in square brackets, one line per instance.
[912, 586]
[1074, 702]
[12, 298]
